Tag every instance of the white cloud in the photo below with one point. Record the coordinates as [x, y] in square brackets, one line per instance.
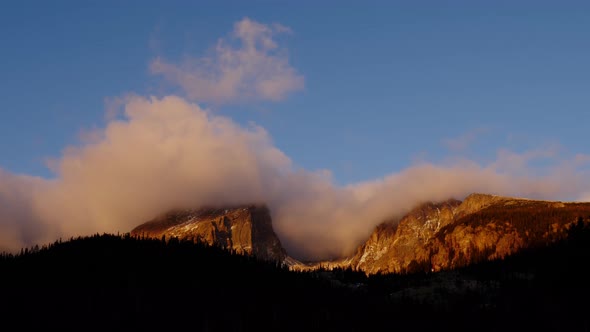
[166, 153]
[157, 154]
[248, 66]
[20, 225]
[461, 143]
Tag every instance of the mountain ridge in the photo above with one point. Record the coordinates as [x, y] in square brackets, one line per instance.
[432, 236]
[245, 229]
[453, 233]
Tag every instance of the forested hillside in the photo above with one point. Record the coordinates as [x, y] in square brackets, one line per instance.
[123, 282]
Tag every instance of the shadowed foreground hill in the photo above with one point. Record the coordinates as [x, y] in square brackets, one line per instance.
[116, 283]
[107, 281]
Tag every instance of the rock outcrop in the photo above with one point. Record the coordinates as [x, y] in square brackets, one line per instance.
[431, 237]
[451, 234]
[244, 230]
[393, 247]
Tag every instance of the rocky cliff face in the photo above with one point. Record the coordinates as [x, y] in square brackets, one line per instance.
[393, 247]
[245, 230]
[431, 237]
[500, 228]
[451, 234]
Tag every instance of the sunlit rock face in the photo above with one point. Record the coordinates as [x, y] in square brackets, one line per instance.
[452, 234]
[431, 237]
[394, 246]
[244, 230]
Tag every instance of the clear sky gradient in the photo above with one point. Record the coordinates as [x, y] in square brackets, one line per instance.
[387, 83]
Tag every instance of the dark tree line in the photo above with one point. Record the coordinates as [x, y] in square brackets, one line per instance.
[123, 282]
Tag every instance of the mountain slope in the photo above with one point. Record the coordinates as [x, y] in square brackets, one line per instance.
[244, 230]
[108, 282]
[453, 234]
[431, 237]
[392, 247]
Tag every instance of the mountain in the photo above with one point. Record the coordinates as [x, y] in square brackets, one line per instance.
[122, 282]
[452, 234]
[145, 282]
[392, 247]
[244, 229]
[433, 236]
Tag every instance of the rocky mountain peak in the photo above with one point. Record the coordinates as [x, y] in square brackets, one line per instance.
[450, 234]
[427, 218]
[244, 229]
[476, 201]
[431, 236]
[393, 246]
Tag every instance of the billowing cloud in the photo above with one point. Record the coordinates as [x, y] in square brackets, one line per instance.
[19, 224]
[248, 66]
[167, 153]
[155, 154]
[332, 221]
[462, 142]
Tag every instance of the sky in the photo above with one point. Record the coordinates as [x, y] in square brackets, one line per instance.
[313, 103]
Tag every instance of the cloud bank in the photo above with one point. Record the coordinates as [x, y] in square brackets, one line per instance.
[19, 225]
[248, 66]
[462, 142]
[168, 152]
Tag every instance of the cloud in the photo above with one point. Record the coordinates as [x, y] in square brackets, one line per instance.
[512, 162]
[333, 221]
[461, 143]
[249, 66]
[155, 154]
[19, 224]
[166, 152]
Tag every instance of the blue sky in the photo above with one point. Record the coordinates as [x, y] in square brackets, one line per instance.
[386, 83]
[336, 115]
